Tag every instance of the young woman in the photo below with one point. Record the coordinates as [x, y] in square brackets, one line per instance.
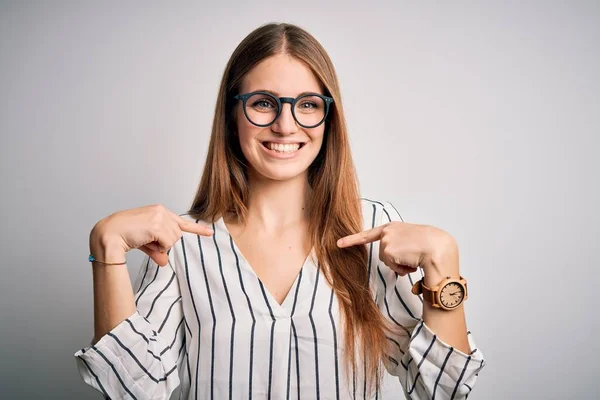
[280, 281]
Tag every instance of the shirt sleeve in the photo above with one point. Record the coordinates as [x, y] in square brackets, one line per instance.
[139, 358]
[426, 366]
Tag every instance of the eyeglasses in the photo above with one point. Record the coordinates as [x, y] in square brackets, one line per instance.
[263, 108]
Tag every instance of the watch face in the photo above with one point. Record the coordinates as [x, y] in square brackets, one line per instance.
[452, 295]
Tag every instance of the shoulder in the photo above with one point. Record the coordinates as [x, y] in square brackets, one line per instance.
[186, 249]
[378, 211]
[187, 238]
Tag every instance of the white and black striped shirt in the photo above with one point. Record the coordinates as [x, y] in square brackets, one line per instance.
[208, 323]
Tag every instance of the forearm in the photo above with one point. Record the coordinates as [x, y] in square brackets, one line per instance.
[113, 293]
[449, 326]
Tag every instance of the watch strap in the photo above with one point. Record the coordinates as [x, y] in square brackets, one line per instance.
[428, 294]
[420, 288]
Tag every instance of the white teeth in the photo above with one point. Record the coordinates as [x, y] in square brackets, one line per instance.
[283, 148]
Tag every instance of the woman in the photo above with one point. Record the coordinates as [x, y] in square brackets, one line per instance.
[279, 282]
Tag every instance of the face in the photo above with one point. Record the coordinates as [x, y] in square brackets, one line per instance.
[285, 149]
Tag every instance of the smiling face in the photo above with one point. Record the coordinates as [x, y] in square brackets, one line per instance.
[283, 150]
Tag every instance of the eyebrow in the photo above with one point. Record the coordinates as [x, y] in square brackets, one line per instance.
[274, 93]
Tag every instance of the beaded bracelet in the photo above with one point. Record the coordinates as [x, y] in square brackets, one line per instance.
[92, 259]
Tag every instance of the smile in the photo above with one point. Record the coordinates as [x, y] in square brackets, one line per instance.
[286, 148]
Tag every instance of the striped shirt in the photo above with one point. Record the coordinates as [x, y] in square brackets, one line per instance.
[207, 323]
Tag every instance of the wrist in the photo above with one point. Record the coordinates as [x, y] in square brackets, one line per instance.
[433, 279]
[442, 262]
[106, 247]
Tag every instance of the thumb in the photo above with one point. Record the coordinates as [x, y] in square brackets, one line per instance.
[162, 259]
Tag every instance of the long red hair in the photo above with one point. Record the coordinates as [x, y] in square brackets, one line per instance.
[335, 203]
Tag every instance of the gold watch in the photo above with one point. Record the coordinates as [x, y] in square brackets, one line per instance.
[447, 295]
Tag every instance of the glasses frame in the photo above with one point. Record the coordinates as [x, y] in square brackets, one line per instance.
[280, 102]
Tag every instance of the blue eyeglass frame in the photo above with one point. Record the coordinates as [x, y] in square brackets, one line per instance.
[282, 100]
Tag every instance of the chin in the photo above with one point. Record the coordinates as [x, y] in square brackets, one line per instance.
[282, 174]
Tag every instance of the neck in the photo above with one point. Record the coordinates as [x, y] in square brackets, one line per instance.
[275, 205]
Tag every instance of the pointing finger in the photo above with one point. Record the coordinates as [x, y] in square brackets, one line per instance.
[195, 227]
[367, 236]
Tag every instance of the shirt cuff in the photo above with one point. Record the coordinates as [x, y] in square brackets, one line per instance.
[439, 366]
[128, 358]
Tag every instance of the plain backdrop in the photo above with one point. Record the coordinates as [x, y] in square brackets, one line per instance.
[481, 118]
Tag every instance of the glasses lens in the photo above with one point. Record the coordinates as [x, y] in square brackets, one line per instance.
[310, 110]
[261, 109]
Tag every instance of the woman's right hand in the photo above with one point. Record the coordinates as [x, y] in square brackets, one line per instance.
[153, 229]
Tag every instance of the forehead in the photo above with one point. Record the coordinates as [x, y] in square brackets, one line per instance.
[282, 74]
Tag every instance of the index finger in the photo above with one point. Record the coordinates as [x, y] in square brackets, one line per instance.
[194, 227]
[363, 237]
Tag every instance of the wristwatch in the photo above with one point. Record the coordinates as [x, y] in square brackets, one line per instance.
[447, 295]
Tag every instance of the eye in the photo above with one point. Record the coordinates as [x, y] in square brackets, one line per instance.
[263, 103]
[308, 105]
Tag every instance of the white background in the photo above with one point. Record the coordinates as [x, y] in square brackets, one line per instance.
[481, 118]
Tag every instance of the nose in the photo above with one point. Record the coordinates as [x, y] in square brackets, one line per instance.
[285, 123]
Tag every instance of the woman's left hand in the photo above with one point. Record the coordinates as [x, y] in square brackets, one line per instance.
[404, 247]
